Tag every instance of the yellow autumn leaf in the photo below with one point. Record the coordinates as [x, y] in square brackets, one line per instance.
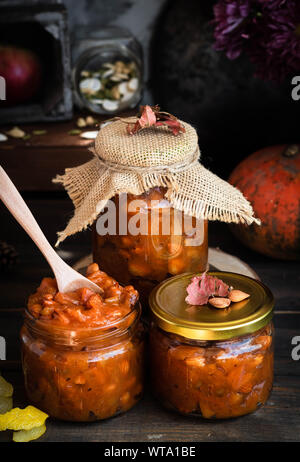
[23, 436]
[22, 419]
[6, 404]
[6, 389]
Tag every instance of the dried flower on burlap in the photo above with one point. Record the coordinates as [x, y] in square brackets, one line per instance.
[154, 117]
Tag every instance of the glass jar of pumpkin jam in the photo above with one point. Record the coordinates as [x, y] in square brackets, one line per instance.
[164, 243]
[82, 353]
[209, 362]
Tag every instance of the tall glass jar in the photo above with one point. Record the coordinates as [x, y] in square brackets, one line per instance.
[83, 374]
[212, 363]
[165, 243]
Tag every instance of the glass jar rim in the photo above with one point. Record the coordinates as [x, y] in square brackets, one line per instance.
[77, 335]
[206, 343]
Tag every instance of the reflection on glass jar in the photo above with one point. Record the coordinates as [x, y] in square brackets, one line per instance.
[153, 242]
[214, 379]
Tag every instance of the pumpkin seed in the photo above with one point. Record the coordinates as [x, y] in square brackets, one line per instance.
[121, 76]
[108, 65]
[109, 105]
[97, 100]
[133, 84]
[90, 120]
[90, 135]
[81, 122]
[107, 73]
[39, 132]
[126, 95]
[116, 92]
[90, 85]
[16, 132]
[116, 78]
[236, 295]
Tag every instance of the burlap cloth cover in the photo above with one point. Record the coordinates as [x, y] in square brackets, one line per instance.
[136, 163]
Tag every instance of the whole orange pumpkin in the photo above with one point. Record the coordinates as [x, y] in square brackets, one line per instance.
[270, 179]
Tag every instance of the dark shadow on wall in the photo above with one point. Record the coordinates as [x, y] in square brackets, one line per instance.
[234, 112]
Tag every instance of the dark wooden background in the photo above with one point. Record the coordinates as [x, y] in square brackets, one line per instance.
[32, 165]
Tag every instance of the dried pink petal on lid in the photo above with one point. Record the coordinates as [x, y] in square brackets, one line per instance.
[202, 287]
[148, 117]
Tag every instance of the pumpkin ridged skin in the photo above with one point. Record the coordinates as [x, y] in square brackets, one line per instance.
[270, 180]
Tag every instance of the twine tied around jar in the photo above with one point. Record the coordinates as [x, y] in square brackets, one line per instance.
[164, 170]
[133, 164]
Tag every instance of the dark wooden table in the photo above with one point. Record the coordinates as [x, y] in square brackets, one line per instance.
[279, 420]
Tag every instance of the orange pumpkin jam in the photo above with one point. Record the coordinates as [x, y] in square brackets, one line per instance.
[82, 352]
[214, 379]
[167, 245]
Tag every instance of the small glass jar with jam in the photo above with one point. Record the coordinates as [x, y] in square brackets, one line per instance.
[82, 352]
[209, 362]
[171, 243]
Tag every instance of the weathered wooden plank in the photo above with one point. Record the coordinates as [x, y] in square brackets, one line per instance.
[279, 420]
[10, 325]
[33, 169]
[32, 163]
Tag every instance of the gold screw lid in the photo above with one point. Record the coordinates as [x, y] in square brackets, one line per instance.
[173, 314]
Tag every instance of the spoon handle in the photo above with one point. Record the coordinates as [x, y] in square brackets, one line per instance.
[66, 277]
[18, 208]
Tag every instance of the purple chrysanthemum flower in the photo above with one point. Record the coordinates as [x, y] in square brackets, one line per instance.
[232, 20]
[277, 53]
[267, 30]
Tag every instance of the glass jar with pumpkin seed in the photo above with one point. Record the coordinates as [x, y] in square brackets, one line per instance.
[108, 71]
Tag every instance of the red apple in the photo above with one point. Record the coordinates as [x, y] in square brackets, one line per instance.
[22, 71]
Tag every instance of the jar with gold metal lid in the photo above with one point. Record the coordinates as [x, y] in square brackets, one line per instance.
[216, 363]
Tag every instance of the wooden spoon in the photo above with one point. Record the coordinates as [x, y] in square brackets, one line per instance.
[66, 277]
